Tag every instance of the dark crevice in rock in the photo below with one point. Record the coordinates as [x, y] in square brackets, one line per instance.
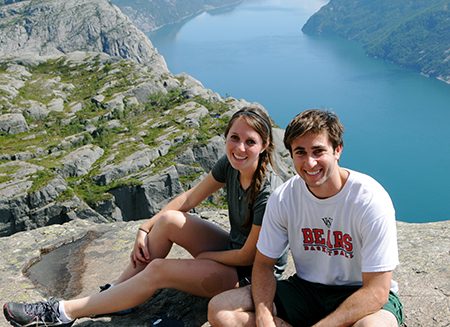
[58, 273]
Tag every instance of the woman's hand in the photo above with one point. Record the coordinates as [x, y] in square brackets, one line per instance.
[140, 253]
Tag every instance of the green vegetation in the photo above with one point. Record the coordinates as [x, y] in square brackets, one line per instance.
[18, 143]
[135, 124]
[186, 179]
[414, 34]
[36, 90]
[40, 179]
[6, 171]
[93, 193]
[160, 102]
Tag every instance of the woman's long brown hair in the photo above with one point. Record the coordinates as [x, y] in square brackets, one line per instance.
[261, 123]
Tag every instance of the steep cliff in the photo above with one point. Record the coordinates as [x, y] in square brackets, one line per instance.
[86, 135]
[414, 34]
[51, 27]
[152, 14]
[92, 124]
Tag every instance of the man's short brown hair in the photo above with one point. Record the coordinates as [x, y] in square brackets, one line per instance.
[314, 121]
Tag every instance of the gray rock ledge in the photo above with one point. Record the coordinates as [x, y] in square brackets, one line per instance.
[423, 275]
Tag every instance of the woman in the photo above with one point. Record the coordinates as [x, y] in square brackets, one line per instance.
[221, 260]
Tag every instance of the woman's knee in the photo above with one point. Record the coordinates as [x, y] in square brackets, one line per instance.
[154, 271]
[170, 219]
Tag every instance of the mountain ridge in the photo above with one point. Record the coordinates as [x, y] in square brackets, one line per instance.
[152, 15]
[92, 123]
[42, 28]
[413, 34]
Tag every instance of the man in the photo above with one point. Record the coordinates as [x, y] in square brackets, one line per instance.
[340, 226]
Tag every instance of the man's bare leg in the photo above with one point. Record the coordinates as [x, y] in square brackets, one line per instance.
[235, 308]
[381, 318]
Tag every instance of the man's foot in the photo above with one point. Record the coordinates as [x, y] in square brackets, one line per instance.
[44, 313]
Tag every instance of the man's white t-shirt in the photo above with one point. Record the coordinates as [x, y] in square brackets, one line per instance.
[332, 240]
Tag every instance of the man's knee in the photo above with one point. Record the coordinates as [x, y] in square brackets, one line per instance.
[219, 311]
[381, 318]
[224, 308]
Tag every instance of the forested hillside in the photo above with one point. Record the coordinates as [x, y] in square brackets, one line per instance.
[414, 34]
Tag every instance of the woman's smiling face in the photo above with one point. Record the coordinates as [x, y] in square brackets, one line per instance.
[243, 146]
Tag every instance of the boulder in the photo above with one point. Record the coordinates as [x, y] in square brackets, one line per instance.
[141, 201]
[22, 208]
[56, 104]
[36, 110]
[192, 114]
[131, 164]
[80, 161]
[195, 88]
[13, 124]
[207, 155]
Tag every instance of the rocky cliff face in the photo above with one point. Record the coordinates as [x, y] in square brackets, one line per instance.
[56, 27]
[153, 14]
[92, 124]
[86, 135]
[413, 34]
[73, 259]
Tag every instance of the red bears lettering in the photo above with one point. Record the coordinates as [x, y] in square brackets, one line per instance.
[348, 243]
[318, 236]
[307, 236]
[334, 241]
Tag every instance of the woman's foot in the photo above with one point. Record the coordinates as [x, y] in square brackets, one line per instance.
[43, 313]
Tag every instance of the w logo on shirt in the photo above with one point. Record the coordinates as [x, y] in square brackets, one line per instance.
[327, 221]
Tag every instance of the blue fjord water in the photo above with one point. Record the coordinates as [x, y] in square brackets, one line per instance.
[397, 121]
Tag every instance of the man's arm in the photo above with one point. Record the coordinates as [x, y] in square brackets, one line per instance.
[263, 289]
[368, 299]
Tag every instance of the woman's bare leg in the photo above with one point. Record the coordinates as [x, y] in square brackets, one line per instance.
[198, 277]
[189, 231]
[195, 276]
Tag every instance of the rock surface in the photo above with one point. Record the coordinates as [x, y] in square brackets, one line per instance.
[49, 27]
[151, 15]
[423, 275]
[125, 134]
[13, 123]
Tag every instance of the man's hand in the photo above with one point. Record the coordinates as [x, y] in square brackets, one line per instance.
[263, 289]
